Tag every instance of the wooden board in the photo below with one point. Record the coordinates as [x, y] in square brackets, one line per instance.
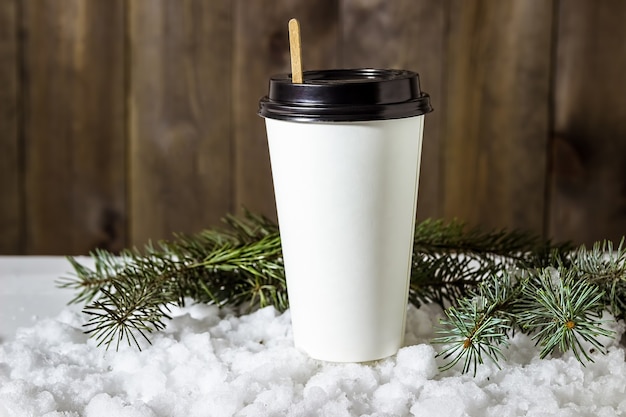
[407, 34]
[180, 116]
[74, 125]
[496, 124]
[262, 49]
[10, 166]
[588, 175]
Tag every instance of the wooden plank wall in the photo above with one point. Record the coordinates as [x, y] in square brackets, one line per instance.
[180, 168]
[11, 210]
[588, 175]
[123, 121]
[73, 128]
[497, 112]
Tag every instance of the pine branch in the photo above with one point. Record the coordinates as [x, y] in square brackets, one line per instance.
[512, 247]
[480, 323]
[129, 296]
[450, 260]
[561, 310]
[122, 314]
[560, 306]
[606, 267]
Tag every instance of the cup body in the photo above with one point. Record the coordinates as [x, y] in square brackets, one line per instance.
[345, 150]
[346, 198]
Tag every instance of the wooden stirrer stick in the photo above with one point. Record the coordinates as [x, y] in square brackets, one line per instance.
[296, 51]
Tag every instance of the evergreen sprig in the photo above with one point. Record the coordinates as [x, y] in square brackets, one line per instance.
[480, 323]
[560, 309]
[129, 294]
[605, 266]
[560, 306]
[491, 284]
[450, 259]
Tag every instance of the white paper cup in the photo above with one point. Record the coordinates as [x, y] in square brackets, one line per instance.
[346, 194]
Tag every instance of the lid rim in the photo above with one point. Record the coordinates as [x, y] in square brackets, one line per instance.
[345, 94]
[413, 108]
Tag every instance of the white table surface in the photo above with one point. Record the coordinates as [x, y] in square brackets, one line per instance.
[28, 290]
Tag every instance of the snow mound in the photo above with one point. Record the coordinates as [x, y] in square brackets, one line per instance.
[209, 362]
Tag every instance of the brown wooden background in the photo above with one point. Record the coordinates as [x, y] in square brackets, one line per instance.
[126, 120]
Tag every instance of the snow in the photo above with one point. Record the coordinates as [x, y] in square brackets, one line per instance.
[211, 362]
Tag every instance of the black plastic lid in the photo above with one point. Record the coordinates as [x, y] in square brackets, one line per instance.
[345, 95]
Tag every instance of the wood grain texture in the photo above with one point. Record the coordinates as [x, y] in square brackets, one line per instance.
[123, 121]
[11, 219]
[180, 116]
[407, 34]
[497, 112]
[261, 48]
[74, 125]
[588, 174]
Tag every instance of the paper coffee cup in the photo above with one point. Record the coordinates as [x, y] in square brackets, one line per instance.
[345, 150]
